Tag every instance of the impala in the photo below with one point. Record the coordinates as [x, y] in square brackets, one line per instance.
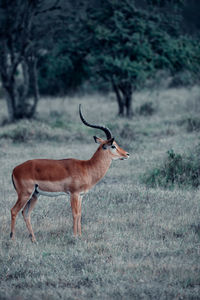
[55, 177]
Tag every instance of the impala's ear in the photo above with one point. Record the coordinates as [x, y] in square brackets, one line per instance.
[110, 142]
[98, 140]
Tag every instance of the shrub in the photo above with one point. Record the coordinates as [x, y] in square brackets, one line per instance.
[177, 169]
[127, 132]
[146, 109]
[182, 79]
[60, 74]
[193, 124]
[26, 131]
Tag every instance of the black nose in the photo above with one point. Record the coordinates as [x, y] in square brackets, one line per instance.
[127, 154]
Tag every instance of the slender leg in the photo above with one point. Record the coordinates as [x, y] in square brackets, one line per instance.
[76, 212]
[22, 199]
[27, 214]
[79, 215]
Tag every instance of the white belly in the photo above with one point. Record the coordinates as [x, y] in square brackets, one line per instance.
[49, 194]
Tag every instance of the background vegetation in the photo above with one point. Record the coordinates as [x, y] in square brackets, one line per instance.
[137, 59]
[57, 46]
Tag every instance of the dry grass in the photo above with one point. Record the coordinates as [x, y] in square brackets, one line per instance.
[137, 243]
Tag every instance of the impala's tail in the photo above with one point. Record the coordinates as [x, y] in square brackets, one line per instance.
[13, 182]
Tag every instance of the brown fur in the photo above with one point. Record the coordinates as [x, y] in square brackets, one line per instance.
[68, 175]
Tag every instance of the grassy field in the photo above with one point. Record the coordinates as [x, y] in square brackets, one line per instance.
[137, 242]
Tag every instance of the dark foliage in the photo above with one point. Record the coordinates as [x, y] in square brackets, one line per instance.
[23, 28]
[119, 45]
[61, 74]
[177, 169]
[129, 43]
[147, 109]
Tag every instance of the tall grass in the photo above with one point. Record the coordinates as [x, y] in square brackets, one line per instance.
[138, 242]
[177, 169]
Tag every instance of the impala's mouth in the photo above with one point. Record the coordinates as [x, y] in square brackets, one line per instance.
[124, 158]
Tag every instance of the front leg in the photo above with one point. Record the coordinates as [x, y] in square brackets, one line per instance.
[76, 200]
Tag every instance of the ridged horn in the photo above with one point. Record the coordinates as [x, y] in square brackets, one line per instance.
[103, 128]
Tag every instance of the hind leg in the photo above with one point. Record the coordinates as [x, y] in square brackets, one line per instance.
[27, 214]
[22, 199]
[76, 212]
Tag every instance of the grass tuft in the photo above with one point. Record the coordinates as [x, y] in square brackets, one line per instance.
[146, 109]
[177, 169]
[192, 124]
[28, 131]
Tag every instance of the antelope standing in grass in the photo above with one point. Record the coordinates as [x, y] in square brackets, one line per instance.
[55, 177]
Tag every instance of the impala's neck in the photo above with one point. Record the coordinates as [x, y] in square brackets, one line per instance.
[98, 165]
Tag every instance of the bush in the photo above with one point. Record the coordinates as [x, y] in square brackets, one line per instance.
[127, 132]
[146, 109]
[191, 123]
[183, 79]
[60, 75]
[26, 131]
[177, 169]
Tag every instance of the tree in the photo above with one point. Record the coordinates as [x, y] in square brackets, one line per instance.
[22, 39]
[191, 14]
[179, 18]
[64, 68]
[119, 51]
[129, 44]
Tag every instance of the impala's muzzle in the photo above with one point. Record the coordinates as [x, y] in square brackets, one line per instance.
[125, 157]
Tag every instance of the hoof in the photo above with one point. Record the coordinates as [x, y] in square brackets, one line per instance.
[33, 240]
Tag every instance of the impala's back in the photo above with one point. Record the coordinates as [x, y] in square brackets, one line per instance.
[54, 177]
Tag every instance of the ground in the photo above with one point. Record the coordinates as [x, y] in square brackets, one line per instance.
[137, 242]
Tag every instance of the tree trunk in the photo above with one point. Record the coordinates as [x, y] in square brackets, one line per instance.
[11, 94]
[128, 101]
[32, 65]
[119, 97]
[126, 90]
[18, 104]
[10, 102]
[7, 79]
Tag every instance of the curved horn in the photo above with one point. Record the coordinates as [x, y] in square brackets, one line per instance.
[105, 129]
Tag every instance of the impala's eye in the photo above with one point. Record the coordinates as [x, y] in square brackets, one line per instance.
[113, 147]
